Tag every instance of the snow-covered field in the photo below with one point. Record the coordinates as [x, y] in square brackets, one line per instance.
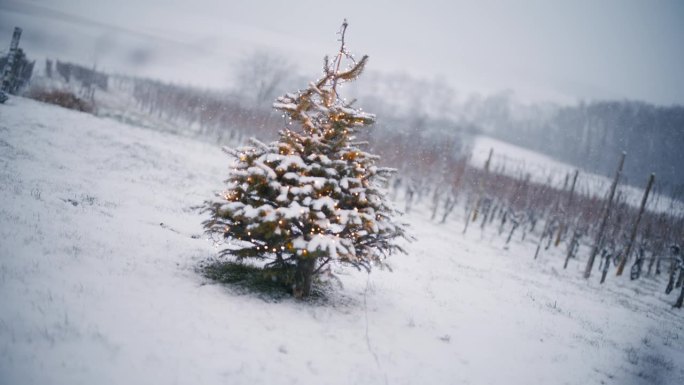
[99, 244]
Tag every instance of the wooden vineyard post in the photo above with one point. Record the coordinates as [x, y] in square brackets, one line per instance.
[547, 224]
[435, 202]
[561, 229]
[480, 191]
[680, 300]
[628, 249]
[609, 205]
[572, 246]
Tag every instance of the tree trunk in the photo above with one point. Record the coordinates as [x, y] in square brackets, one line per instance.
[651, 262]
[303, 277]
[480, 190]
[625, 255]
[562, 228]
[670, 282]
[510, 235]
[435, 202]
[448, 207]
[680, 280]
[541, 237]
[598, 243]
[680, 300]
[571, 248]
[606, 266]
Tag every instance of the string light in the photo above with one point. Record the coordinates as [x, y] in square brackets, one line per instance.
[319, 127]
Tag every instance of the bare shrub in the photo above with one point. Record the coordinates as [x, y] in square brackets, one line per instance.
[61, 98]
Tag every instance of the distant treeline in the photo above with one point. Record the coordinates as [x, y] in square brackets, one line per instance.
[593, 135]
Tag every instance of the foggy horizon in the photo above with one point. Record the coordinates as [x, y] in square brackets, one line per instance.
[543, 52]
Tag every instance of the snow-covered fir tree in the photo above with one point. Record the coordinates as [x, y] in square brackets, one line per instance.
[313, 197]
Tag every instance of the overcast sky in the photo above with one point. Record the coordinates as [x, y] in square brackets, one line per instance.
[560, 51]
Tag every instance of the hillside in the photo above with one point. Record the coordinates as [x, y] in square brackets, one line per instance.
[101, 243]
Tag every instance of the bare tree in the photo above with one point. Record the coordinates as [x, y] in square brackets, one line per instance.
[261, 75]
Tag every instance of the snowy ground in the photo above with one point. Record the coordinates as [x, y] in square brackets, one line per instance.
[99, 244]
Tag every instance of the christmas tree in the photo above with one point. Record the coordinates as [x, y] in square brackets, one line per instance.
[313, 197]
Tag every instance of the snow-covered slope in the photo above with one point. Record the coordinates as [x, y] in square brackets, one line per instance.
[519, 162]
[99, 242]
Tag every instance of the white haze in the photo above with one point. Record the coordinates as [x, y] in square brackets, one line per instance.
[543, 51]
